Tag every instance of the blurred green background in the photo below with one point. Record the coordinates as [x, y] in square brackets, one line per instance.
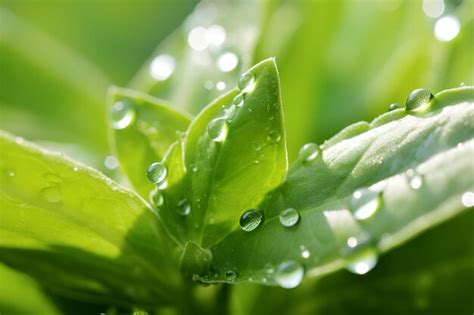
[339, 61]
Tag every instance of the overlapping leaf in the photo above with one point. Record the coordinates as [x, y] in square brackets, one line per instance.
[419, 165]
[87, 237]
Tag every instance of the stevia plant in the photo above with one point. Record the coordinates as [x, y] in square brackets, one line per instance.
[215, 206]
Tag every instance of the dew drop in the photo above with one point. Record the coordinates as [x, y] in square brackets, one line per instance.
[122, 115]
[309, 152]
[111, 162]
[157, 173]
[194, 168]
[257, 146]
[10, 173]
[365, 203]
[75, 169]
[230, 113]
[289, 274]
[218, 129]
[394, 106]
[184, 208]
[289, 217]
[238, 100]
[246, 83]
[274, 136]
[156, 197]
[414, 179]
[418, 100]
[220, 85]
[360, 258]
[305, 253]
[231, 275]
[250, 220]
[52, 194]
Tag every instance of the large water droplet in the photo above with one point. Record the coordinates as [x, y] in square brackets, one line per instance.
[156, 197]
[289, 274]
[360, 257]
[418, 100]
[274, 136]
[246, 82]
[52, 194]
[394, 106]
[218, 129]
[250, 220]
[157, 173]
[238, 100]
[309, 152]
[365, 203]
[184, 208]
[414, 179]
[289, 217]
[122, 114]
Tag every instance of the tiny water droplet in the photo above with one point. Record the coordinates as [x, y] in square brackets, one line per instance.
[289, 217]
[111, 162]
[309, 152]
[274, 136]
[75, 169]
[361, 257]
[52, 194]
[418, 100]
[184, 208]
[220, 85]
[10, 173]
[305, 253]
[218, 129]
[394, 106]
[250, 220]
[414, 179]
[289, 274]
[156, 197]
[157, 173]
[364, 203]
[269, 269]
[238, 100]
[122, 115]
[246, 82]
[194, 168]
[231, 275]
[462, 84]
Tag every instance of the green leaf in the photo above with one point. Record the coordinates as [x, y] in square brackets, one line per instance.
[19, 294]
[418, 168]
[431, 274]
[87, 237]
[204, 56]
[233, 156]
[153, 126]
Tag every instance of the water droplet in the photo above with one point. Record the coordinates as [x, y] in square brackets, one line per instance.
[218, 129]
[468, 199]
[414, 179]
[122, 115]
[52, 194]
[289, 217]
[184, 208]
[230, 113]
[194, 168]
[360, 257]
[462, 84]
[250, 220]
[309, 152]
[156, 197]
[447, 28]
[238, 100]
[230, 275]
[162, 67]
[289, 274]
[418, 100]
[274, 136]
[75, 169]
[10, 173]
[157, 173]
[111, 162]
[305, 253]
[227, 62]
[257, 146]
[394, 106]
[246, 83]
[365, 203]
